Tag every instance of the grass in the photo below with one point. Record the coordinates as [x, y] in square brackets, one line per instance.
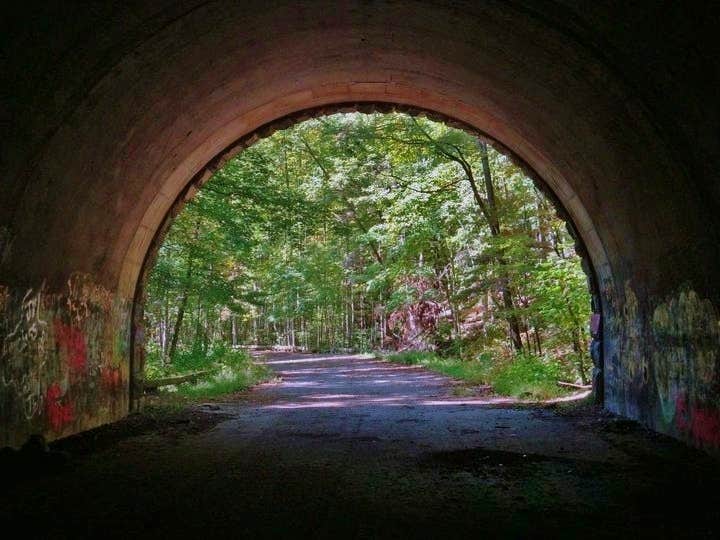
[226, 381]
[230, 372]
[523, 377]
[529, 377]
[472, 372]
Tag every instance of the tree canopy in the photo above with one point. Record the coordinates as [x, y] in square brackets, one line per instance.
[379, 231]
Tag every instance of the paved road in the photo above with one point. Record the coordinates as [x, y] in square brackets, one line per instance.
[352, 447]
[342, 400]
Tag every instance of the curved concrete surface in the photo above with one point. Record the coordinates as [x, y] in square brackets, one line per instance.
[116, 112]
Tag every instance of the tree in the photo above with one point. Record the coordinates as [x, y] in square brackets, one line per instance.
[369, 231]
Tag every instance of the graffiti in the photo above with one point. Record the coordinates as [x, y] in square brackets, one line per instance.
[111, 378]
[23, 336]
[662, 361]
[32, 397]
[669, 369]
[635, 361]
[58, 345]
[72, 341]
[27, 336]
[59, 414]
[84, 297]
[702, 424]
[29, 394]
[686, 333]
[688, 327]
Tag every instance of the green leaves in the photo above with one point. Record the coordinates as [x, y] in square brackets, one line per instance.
[321, 232]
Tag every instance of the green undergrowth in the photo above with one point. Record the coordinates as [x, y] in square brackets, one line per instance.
[473, 372]
[228, 372]
[523, 376]
[528, 377]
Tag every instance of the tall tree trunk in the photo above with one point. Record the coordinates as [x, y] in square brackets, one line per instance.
[537, 340]
[164, 328]
[185, 294]
[494, 224]
[180, 314]
[493, 218]
[513, 322]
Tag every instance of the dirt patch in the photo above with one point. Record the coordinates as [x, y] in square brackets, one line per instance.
[162, 421]
[486, 462]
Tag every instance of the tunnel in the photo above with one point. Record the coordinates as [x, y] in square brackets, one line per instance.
[115, 113]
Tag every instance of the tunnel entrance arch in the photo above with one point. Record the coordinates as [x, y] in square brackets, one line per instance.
[215, 164]
[110, 124]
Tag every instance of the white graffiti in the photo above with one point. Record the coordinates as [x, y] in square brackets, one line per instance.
[29, 391]
[30, 329]
[23, 353]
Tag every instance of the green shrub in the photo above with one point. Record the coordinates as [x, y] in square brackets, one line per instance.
[475, 371]
[189, 361]
[527, 376]
[234, 359]
[522, 376]
[229, 371]
[227, 380]
[154, 368]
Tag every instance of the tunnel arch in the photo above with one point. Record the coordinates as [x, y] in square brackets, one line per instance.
[242, 131]
[143, 107]
[151, 248]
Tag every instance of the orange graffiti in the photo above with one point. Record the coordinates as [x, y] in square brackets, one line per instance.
[111, 377]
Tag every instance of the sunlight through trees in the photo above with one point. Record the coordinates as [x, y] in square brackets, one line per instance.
[366, 232]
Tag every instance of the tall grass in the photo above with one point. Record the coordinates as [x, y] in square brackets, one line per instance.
[529, 377]
[226, 380]
[473, 372]
[523, 376]
[229, 371]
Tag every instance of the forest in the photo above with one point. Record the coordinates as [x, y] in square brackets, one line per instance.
[387, 233]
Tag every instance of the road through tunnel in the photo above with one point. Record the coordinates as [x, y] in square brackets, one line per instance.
[118, 114]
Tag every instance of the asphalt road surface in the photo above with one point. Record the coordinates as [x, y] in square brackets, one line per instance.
[347, 446]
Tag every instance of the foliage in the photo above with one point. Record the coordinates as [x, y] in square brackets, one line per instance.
[525, 376]
[368, 232]
[226, 381]
[230, 371]
[473, 372]
[529, 377]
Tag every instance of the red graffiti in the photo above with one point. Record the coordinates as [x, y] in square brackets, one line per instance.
[72, 340]
[702, 423]
[111, 378]
[59, 414]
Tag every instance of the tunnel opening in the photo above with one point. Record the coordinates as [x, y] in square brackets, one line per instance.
[568, 90]
[116, 113]
[524, 338]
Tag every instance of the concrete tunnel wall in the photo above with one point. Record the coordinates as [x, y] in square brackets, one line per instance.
[114, 112]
